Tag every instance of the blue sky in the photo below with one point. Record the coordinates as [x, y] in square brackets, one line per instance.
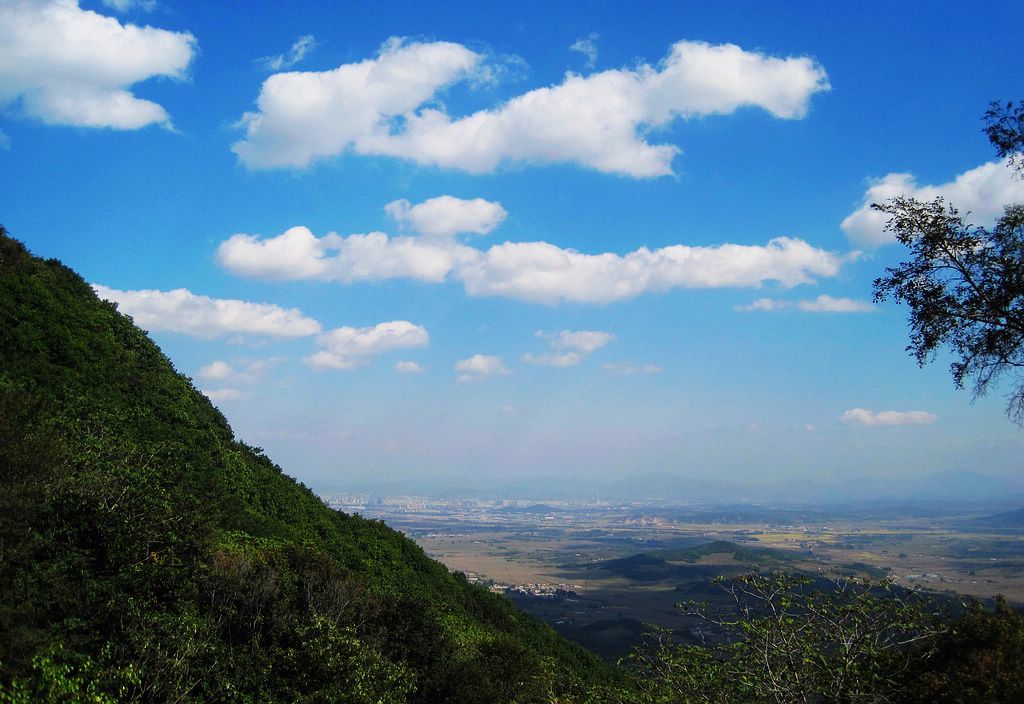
[497, 243]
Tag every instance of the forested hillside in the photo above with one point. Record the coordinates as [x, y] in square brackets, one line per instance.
[148, 555]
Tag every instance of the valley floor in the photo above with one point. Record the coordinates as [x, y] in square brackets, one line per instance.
[599, 573]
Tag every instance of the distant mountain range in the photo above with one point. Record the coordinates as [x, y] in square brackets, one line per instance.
[1008, 520]
[960, 487]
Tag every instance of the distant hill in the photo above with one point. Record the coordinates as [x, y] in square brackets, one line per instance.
[659, 565]
[148, 555]
[642, 568]
[739, 553]
[1009, 520]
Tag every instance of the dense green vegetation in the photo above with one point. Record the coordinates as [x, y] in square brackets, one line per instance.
[798, 640]
[147, 555]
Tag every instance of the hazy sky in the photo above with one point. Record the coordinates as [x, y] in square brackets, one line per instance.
[596, 240]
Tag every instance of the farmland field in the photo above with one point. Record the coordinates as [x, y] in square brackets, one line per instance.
[601, 574]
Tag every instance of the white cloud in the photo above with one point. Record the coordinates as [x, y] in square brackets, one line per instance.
[983, 191]
[480, 366]
[403, 367]
[302, 116]
[538, 272]
[348, 348]
[828, 304]
[239, 371]
[544, 273]
[68, 66]
[585, 341]
[300, 49]
[382, 106]
[218, 369]
[445, 216]
[588, 47]
[568, 347]
[767, 305]
[223, 394]
[298, 254]
[184, 312]
[862, 416]
[626, 369]
[822, 304]
[126, 5]
[553, 359]
[324, 360]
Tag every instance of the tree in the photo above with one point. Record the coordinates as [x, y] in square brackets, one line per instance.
[794, 639]
[979, 659]
[1004, 125]
[965, 284]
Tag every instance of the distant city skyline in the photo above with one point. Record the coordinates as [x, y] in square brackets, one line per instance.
[513, 246]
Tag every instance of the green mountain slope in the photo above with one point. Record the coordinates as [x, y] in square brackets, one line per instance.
[147, 555]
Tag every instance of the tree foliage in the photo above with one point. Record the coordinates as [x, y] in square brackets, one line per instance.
[1004, 125]
[794, 639]
[978, 659]
[964, 284]
[965, 289]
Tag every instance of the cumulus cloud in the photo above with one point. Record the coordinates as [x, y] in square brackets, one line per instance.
[862, 416]
[627, 369]
[983, 191]
[239, 371]
[223, 394]
[218, 369]
[184, 312]
[568, 347]
[302, 116]
[300, 49]
[68, 66]
[445, 216]
[588, 47]
[386, 106]
[480, 366]
[766, 305]
[827, 304]
[538, 272]
[545, 273]
[404, 367]
[348, 348]
[298, 254]
[822, 304]
[585, 341]
[231, 375]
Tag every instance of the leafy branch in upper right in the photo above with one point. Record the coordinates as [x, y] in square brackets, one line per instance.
[964, 283]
